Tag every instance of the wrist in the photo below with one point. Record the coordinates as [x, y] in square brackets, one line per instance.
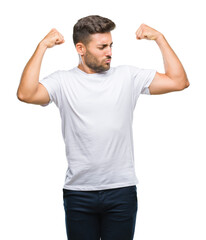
[42, 46]
[159, 38]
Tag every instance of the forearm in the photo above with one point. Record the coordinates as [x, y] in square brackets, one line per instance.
[172, 64]
[30, 76]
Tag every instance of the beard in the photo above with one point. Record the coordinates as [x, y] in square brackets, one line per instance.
[94, 64]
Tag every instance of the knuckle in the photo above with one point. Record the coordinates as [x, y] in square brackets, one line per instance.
[53, 30]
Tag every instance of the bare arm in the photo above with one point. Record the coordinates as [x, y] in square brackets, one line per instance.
[30, 90]
[174, 78]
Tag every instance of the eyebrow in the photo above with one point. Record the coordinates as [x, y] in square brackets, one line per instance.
[104, 45]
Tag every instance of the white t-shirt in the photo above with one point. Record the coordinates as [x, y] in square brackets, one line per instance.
[97, 113]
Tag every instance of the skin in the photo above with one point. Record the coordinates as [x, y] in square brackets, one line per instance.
[93, 60]
[30, 90]
[174, 78]
[97, 54]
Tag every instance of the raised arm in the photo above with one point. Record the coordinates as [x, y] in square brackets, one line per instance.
[30, 90]
[174, 78]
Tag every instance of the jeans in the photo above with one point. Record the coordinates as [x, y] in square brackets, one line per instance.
[104, 214]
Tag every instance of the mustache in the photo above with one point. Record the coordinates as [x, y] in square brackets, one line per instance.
[109, 57]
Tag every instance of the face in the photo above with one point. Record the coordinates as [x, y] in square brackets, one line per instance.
[98, 52]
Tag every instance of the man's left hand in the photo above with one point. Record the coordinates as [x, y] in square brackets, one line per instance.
[146, 32]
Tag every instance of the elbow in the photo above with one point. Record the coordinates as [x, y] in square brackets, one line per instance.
[187, 84]
[21, 97]
[184, 84]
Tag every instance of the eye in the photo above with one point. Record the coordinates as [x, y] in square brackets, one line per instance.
[101, 48]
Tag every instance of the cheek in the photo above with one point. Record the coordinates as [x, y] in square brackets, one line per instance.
[99, 57]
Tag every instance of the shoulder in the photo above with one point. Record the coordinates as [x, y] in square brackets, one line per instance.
[127, 69]
[62, 74]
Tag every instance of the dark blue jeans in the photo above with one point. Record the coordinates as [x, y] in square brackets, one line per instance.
[107, 214]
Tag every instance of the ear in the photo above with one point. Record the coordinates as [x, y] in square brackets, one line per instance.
[81, 49]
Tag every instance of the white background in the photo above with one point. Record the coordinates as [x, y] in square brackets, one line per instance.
[169, 129]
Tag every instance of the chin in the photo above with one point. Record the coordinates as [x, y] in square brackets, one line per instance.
[101, 68]
[107, 66]
[105, 69]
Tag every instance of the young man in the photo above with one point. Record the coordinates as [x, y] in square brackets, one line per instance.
[96, 103]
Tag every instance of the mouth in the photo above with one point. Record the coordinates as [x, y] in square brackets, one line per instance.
[108, 60]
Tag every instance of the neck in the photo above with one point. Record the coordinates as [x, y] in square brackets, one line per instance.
[84, 68]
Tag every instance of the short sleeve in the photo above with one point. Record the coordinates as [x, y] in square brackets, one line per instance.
[52, 84]
[142, 79]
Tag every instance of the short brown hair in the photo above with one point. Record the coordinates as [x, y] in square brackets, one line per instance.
[92, 24]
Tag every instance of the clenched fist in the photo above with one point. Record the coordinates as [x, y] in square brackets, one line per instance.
[53, 38]
[146, 32]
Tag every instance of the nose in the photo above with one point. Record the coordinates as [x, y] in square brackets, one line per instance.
[109, 51]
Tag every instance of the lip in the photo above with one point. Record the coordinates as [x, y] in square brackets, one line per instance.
[108, 60]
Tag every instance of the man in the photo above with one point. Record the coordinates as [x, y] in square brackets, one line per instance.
[96, 104]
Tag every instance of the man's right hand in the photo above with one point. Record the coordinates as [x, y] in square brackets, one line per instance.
[30, 90]
[52, 38]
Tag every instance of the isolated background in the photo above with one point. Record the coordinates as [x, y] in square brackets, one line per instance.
[169, 130]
